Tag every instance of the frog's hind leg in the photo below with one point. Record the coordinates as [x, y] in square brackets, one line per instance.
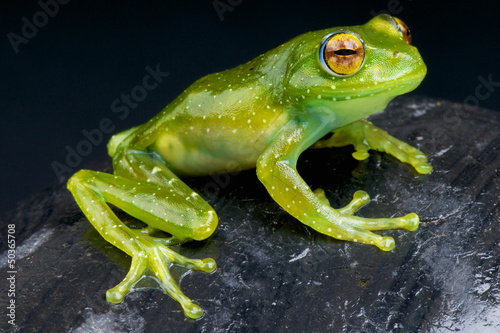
[151, 193]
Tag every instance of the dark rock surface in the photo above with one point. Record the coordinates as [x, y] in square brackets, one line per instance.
[275, 274]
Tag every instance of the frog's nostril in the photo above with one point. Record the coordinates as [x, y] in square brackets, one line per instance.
[396, 54]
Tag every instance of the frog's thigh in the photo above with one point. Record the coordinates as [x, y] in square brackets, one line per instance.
[171, 209]
[178, 206]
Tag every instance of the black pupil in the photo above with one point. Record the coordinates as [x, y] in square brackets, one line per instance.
[344, 52]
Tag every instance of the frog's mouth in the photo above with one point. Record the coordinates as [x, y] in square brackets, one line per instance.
[346, 106]
[388, 89]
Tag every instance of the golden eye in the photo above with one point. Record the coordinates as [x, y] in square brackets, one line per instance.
[342, 54]
[404, 30]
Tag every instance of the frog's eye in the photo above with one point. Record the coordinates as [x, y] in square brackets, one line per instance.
[342, 54]
[404, 30]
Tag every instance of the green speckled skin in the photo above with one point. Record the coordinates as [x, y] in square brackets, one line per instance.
[261, 114]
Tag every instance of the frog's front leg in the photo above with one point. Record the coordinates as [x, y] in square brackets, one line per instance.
[276, 169]
[363, 135]
[146, 189]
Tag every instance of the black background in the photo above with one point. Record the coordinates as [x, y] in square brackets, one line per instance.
[65, 78]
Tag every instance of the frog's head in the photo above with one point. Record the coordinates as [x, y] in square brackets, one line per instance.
[359, 68]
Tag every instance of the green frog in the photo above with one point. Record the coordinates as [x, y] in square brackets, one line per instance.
[263, 115]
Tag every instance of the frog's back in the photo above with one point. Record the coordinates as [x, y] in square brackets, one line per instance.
[224, 121]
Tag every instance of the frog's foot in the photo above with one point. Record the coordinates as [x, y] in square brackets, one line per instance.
[364, 136]
[358, 229]
[154, 260]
